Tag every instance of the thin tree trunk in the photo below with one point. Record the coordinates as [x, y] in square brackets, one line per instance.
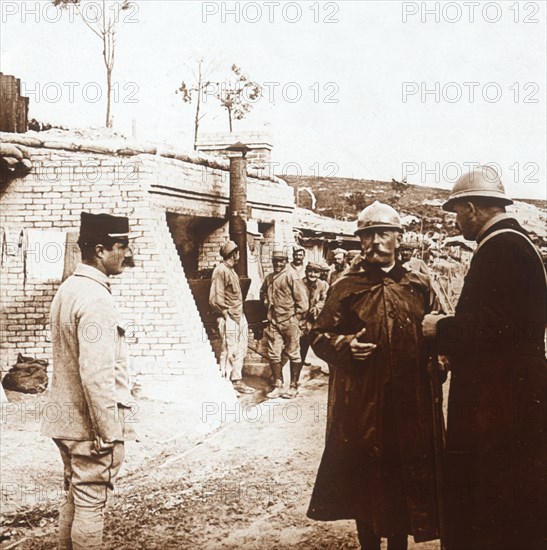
[108, 96]
[106, 33]
[198, 105]
[109, 33]
[106, 55]
[230, 118]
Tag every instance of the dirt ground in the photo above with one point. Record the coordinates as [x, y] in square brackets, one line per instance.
[246, 485]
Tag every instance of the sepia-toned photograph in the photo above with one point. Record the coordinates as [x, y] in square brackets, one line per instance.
[273, 275]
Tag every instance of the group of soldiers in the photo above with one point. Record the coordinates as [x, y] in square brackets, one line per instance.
[387, 463]
[294, 294]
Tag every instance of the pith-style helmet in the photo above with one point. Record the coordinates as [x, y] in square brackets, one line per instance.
[482, 181]
[378, 216]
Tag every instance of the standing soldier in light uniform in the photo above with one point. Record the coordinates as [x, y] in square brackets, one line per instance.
[496, 447]
[317, 294]
[378, 463]
[298, 255]
[339, 265]
[287, 302]
[90, 381]
[226, 299]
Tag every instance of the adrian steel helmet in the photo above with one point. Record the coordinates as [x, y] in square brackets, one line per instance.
[378, 216]
[482, 181]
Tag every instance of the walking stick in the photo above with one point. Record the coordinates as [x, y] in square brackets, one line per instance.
[438, 440]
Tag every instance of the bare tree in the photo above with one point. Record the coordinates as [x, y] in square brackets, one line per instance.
[194, 90]
[104, 27]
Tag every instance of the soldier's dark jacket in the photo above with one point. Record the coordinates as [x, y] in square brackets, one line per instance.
[378, 460]
[496, 438]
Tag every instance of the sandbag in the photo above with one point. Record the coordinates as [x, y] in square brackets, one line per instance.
[28, 375]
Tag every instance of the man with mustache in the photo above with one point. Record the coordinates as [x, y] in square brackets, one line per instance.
[90, 382]
[338, 266]
[317, 294]
[496, 446]
[298, 255]
[378, 464]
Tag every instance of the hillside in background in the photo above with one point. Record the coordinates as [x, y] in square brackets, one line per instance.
[344, 198]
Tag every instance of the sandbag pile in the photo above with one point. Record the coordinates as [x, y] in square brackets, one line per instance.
[28, 375]
[14, 161]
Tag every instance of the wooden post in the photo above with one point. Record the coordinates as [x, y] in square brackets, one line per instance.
[13, 107]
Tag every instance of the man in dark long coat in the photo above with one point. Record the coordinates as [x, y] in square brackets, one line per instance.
[496, 454]
[378, 463]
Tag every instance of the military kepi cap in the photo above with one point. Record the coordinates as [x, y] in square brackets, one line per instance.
[94, 227]
[279, 254]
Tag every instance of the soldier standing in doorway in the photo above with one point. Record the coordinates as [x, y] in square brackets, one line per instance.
[226, 298]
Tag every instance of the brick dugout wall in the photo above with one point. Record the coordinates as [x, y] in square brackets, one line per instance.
[157, 307]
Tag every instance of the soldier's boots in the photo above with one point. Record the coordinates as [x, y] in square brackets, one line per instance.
[296, 369]
[277, 376]
[291, 393]
[277, 391]
[241, 387]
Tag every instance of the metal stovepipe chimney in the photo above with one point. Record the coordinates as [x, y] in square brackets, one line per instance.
[238, 203]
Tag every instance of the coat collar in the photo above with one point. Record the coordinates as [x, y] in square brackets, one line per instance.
[84, 270]
[498, 222]
[376, 273]
[282, 272]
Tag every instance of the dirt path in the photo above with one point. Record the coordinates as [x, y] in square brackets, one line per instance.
[245, 486]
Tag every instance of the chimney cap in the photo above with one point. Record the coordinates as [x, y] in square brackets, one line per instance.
[238, 147]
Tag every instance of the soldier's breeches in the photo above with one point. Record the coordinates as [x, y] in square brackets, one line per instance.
[234, 347]
[283, 338]
[89, 482]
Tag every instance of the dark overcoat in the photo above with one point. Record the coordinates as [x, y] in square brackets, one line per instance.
[496, 456]
[377, 465]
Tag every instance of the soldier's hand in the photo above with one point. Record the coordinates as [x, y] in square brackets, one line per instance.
[102, 447]
[221, 325]
[361, 350]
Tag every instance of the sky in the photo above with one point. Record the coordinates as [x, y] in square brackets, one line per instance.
[375, 90]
